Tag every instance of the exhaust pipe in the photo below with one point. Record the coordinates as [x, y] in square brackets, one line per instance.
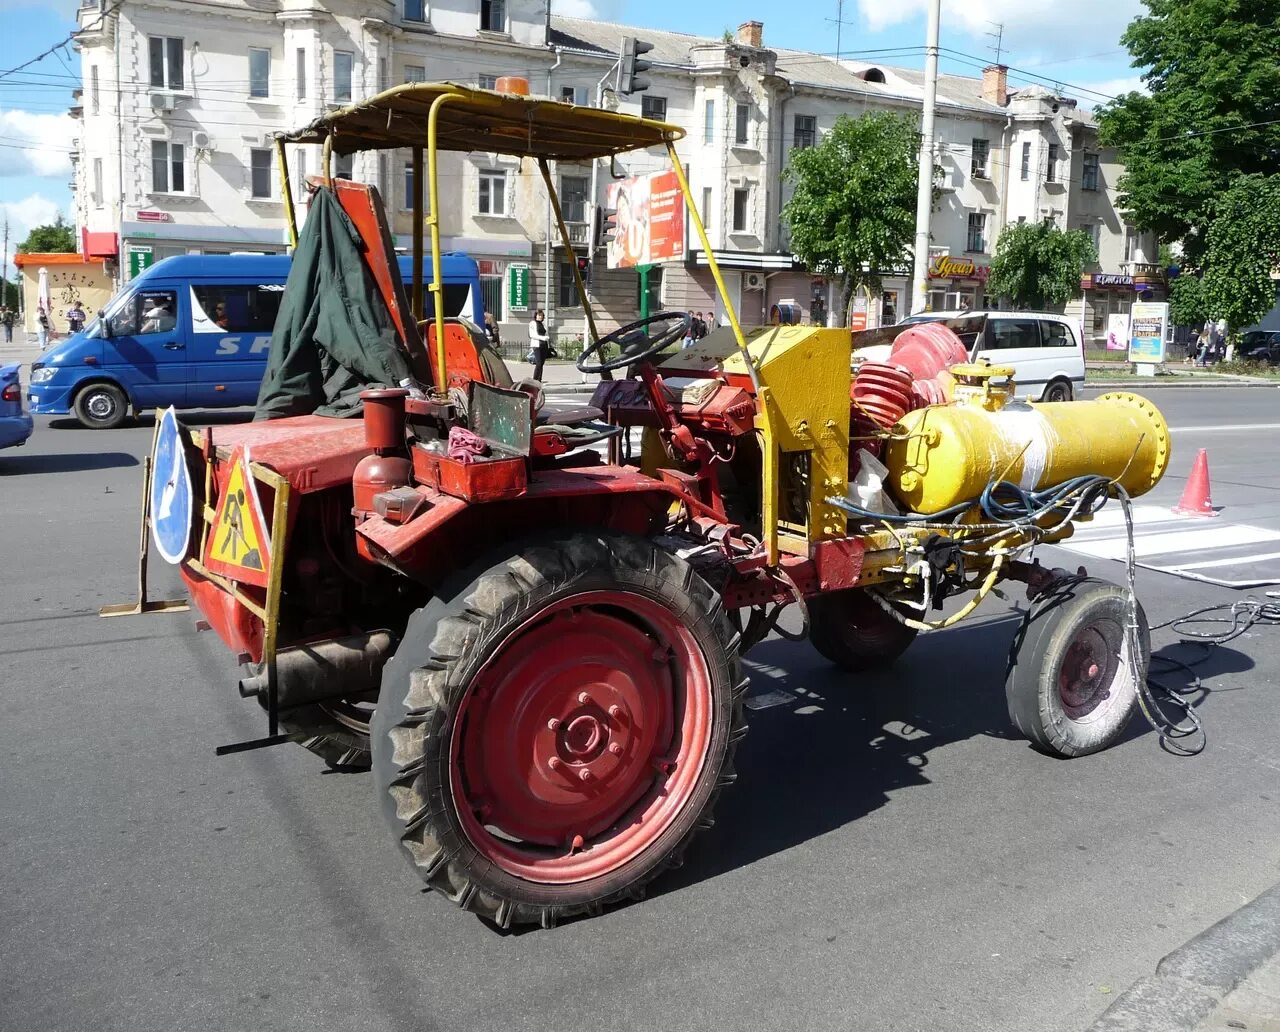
[323, 670]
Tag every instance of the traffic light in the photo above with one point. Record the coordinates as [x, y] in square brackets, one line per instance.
[630, 67]
[584, 269]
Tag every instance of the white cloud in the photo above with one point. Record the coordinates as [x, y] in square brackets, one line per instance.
[575, 8]
[36, 144]
[1033, 32]
[34, 210]
[1094, 93]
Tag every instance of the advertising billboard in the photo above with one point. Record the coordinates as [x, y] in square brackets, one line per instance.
[1148, 323]
[649, 218]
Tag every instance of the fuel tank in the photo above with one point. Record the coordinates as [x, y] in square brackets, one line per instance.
[946, 454]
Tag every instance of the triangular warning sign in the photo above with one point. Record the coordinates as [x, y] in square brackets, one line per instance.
[239, 544]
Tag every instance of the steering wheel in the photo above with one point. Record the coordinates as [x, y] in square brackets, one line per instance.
[628, 357]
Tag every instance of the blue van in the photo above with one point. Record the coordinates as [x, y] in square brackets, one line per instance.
[193, 331]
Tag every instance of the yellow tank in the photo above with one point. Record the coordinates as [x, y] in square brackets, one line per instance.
[953, 451]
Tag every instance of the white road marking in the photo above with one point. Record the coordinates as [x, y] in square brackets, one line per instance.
[1224, 426]
[1200, 539]
[1233, 561]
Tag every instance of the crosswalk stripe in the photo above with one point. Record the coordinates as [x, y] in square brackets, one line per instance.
[1234, 560]
[1198, 540]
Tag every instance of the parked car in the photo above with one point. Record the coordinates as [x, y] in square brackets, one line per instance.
[15, 425]
[1260, 346]
[193, 331]
[1044, 349]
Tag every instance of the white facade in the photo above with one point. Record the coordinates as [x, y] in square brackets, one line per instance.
[181, 102]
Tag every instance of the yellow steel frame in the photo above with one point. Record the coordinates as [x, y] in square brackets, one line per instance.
[286, 192]
[433, 222]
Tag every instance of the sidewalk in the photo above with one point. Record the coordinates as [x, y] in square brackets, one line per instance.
[1226, 978]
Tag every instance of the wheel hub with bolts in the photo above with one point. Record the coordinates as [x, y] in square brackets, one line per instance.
[100, 405]
[582, 737]
[1084, 682]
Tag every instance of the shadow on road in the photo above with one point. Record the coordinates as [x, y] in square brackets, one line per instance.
[72, 462]
[192, 417]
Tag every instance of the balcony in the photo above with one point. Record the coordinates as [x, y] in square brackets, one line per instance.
[579, 232]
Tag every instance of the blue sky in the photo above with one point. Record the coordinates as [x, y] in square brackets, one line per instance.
[1075, 44]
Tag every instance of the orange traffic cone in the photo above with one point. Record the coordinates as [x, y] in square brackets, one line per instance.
[1195, 497]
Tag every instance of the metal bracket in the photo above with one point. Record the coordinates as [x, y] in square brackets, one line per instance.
[259, 743]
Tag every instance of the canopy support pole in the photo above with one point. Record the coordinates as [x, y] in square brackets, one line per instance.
[433, 222]
[287, 194]
[545, 169]
[416, 298]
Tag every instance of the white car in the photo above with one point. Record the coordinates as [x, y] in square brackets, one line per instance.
[1043, 348]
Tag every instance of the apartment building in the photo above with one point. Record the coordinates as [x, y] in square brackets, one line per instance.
[181, 102]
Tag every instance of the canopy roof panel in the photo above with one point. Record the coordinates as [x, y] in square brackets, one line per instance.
[483, 120]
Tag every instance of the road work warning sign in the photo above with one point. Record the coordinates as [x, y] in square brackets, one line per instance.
[239, 543]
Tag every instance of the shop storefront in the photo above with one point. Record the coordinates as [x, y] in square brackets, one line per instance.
[956, 284]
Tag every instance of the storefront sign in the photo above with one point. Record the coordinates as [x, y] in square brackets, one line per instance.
[944, 266]
[1148, 323]
[1102, 280]
[858, 312]
[648, 221]
[154, 216]
[140, 259]
[518, 288]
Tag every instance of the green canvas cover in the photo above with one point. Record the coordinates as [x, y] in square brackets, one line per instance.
[334, 335]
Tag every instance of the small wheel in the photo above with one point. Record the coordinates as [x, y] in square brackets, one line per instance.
[337, 729]
[102, 406]
[553, 730]
[1058, 390]
[851, 630]
[1069, 685]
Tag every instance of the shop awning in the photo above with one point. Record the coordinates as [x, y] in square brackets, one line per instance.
[98, 245]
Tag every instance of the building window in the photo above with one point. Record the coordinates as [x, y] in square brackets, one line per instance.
[709, 122]
[654, 107]
[493, 15]
[575, 95]
[976, 240]
[260, 173]
[415, 73]
[1094, 232]
[805, 132]
[492, 199]
[740, 199]
[1089, 172]
[166, 62]
[343, 166]
[300, 71]
[487, 82]
[259, 72]
[97, 182]
[94, 103]
[1130, 243]
[568, 292]
[415, 10]
[408, 186]
[1026, 161]
[383, 81]
[706, 208]
[741, 120]
[573, 199]
[978, 159]
[343, 64]
[1051, 171]
[300, 164]
[168, 167]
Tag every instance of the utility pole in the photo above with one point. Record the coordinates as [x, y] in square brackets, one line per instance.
[924, 184]
[4, 276]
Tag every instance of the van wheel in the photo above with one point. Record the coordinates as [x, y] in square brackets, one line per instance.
[102, 406]
[1059, 390]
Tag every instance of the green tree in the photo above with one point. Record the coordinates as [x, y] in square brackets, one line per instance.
[852, 213]
[57, 237]
[1037, 265]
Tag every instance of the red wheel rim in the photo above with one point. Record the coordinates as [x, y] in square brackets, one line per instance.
[1087, 677]
[582, 737]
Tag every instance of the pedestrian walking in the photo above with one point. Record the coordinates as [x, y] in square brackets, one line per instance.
[538, 342]
[75, 318]
[6, 318]
[491, 330]
[699, 326]
[42, 327]
[689, 332]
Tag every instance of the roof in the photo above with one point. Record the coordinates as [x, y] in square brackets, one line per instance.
[276, 266]
[484, 120]
[54, 258]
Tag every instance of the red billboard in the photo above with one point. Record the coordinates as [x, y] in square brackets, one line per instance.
[649, 217]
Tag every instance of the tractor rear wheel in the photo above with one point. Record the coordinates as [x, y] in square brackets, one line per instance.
[1070, 683]
[557, 724]
[851, 630]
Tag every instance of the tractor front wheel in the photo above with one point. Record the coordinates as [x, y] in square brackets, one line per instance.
[852, 630]
[556, 726]
[1071, 684]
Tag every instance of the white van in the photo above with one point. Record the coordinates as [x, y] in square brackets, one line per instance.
[1043, 349]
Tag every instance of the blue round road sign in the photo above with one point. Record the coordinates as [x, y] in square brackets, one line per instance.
[171, 495]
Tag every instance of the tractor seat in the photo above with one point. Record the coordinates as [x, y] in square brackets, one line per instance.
[566, 413]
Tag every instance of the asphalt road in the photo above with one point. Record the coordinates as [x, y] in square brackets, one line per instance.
[891, 858]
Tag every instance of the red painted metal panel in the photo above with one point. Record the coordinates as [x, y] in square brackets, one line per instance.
[312, 452]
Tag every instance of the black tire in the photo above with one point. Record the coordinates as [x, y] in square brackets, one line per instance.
[338, 732]
[1058, 390]
[101, 406]
[851, 630]
[1062, 706]
[461, 637]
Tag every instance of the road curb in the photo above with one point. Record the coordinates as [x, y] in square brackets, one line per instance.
[1123, 385]
[1192, 980]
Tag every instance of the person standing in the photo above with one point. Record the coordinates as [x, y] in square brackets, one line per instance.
[491, 330]
[538, 341]
[6, 317]
[75, 318]
[42, 327]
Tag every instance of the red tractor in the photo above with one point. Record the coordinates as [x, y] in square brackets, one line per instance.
[533, 631]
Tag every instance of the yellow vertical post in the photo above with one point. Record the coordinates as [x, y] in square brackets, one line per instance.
[433, 222]
[286, 193]
[416, 297]
[545, 169]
